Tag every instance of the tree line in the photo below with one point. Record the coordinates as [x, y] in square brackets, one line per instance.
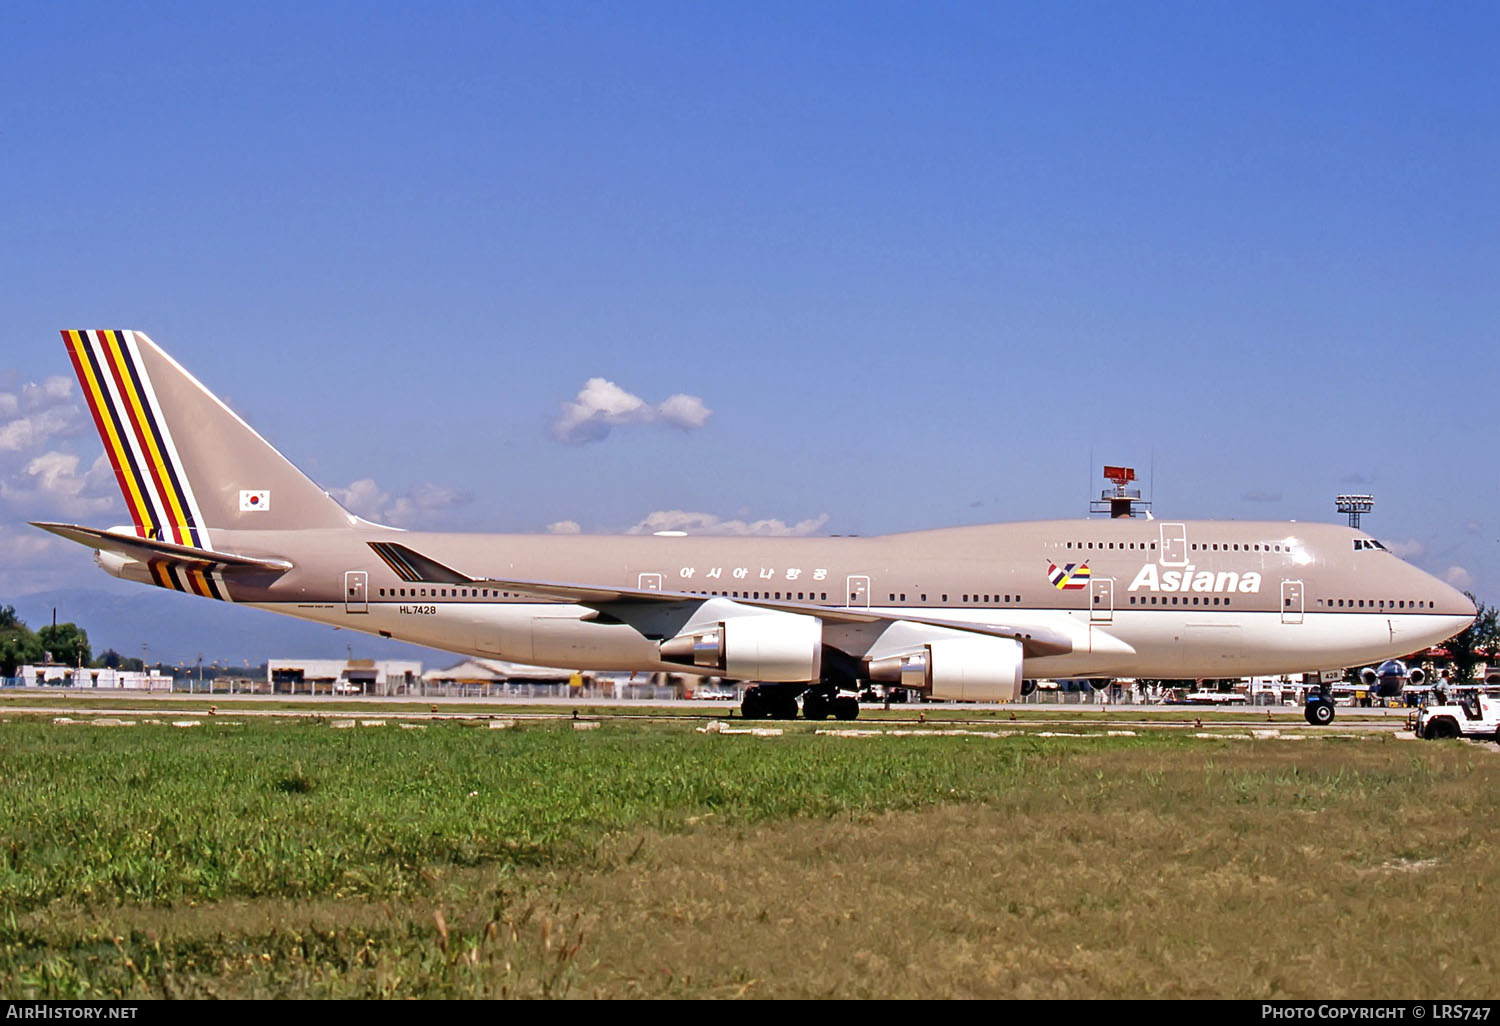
[19, 644]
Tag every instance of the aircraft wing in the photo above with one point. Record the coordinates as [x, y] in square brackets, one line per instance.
[146, 549]
[412, 566]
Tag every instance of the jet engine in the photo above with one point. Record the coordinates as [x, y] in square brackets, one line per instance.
[1387, 679]
[767, 647]
[957, 669]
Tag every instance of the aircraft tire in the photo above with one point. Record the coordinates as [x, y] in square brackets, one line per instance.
[1319, 714]
[816, 707]
[753, 707]
[784, 707]
[845, 708]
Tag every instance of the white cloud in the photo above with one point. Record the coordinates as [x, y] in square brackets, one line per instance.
[363, 497]
[1410, 549]
[367, 499]
[31, 561]
[601, 405]
[684, 411]
[50, 485]
[41, 412]
[56, 389]
[22, 433]
[1459, 578]
[709, 524]
[564, 527]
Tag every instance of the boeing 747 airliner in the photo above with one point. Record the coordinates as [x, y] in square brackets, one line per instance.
[960, 613]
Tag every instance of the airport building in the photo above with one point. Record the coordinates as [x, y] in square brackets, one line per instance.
[341, 676]
[58, 676]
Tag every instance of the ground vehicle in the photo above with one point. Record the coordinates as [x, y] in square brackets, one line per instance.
[1466, 714]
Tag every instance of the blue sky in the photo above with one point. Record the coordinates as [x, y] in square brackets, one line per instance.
[902, 265]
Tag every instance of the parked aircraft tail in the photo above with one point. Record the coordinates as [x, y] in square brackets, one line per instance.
[186, 463]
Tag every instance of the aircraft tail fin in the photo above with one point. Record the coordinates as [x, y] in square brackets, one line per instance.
[186, 463]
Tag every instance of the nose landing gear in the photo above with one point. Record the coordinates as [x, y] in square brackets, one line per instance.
[1319, 708]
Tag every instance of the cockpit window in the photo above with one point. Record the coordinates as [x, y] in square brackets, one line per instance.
[1361, 544]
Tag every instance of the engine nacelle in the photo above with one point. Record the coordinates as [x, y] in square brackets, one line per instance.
[761, 647]
[957, 669]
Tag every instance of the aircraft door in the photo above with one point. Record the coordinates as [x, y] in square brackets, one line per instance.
[859, 592]
[355, 587]
[1102, 600]
[1174, 547]
[650, 582]
[1291, 601]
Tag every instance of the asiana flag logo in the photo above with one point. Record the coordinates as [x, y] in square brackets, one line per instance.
[255, 502]
[1072, 577]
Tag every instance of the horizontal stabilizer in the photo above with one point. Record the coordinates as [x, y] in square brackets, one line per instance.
[146, 550]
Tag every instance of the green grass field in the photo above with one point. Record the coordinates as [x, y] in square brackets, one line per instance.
[274, 858]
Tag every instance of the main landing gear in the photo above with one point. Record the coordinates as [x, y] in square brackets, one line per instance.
[779, 702]
[769, 703]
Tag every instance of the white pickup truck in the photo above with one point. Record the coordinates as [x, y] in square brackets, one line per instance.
[1467, 714]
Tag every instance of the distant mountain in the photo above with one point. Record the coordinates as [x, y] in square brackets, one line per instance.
[177, 627]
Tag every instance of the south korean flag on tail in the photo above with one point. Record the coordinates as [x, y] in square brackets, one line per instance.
[255, 502]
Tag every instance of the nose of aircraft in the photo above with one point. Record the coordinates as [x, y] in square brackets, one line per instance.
[1454, 607]
[1452, 602]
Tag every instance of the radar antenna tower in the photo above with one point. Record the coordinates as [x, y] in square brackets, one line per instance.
[1121, 500]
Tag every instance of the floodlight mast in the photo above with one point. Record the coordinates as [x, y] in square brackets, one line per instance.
[1354, 506]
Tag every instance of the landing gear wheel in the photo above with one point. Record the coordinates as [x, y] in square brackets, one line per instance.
[1319, 714]
[816, 707]
[845, 708]
[784, 706]
[753, 706]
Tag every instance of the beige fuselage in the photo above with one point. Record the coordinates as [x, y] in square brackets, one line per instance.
[1165, 599]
